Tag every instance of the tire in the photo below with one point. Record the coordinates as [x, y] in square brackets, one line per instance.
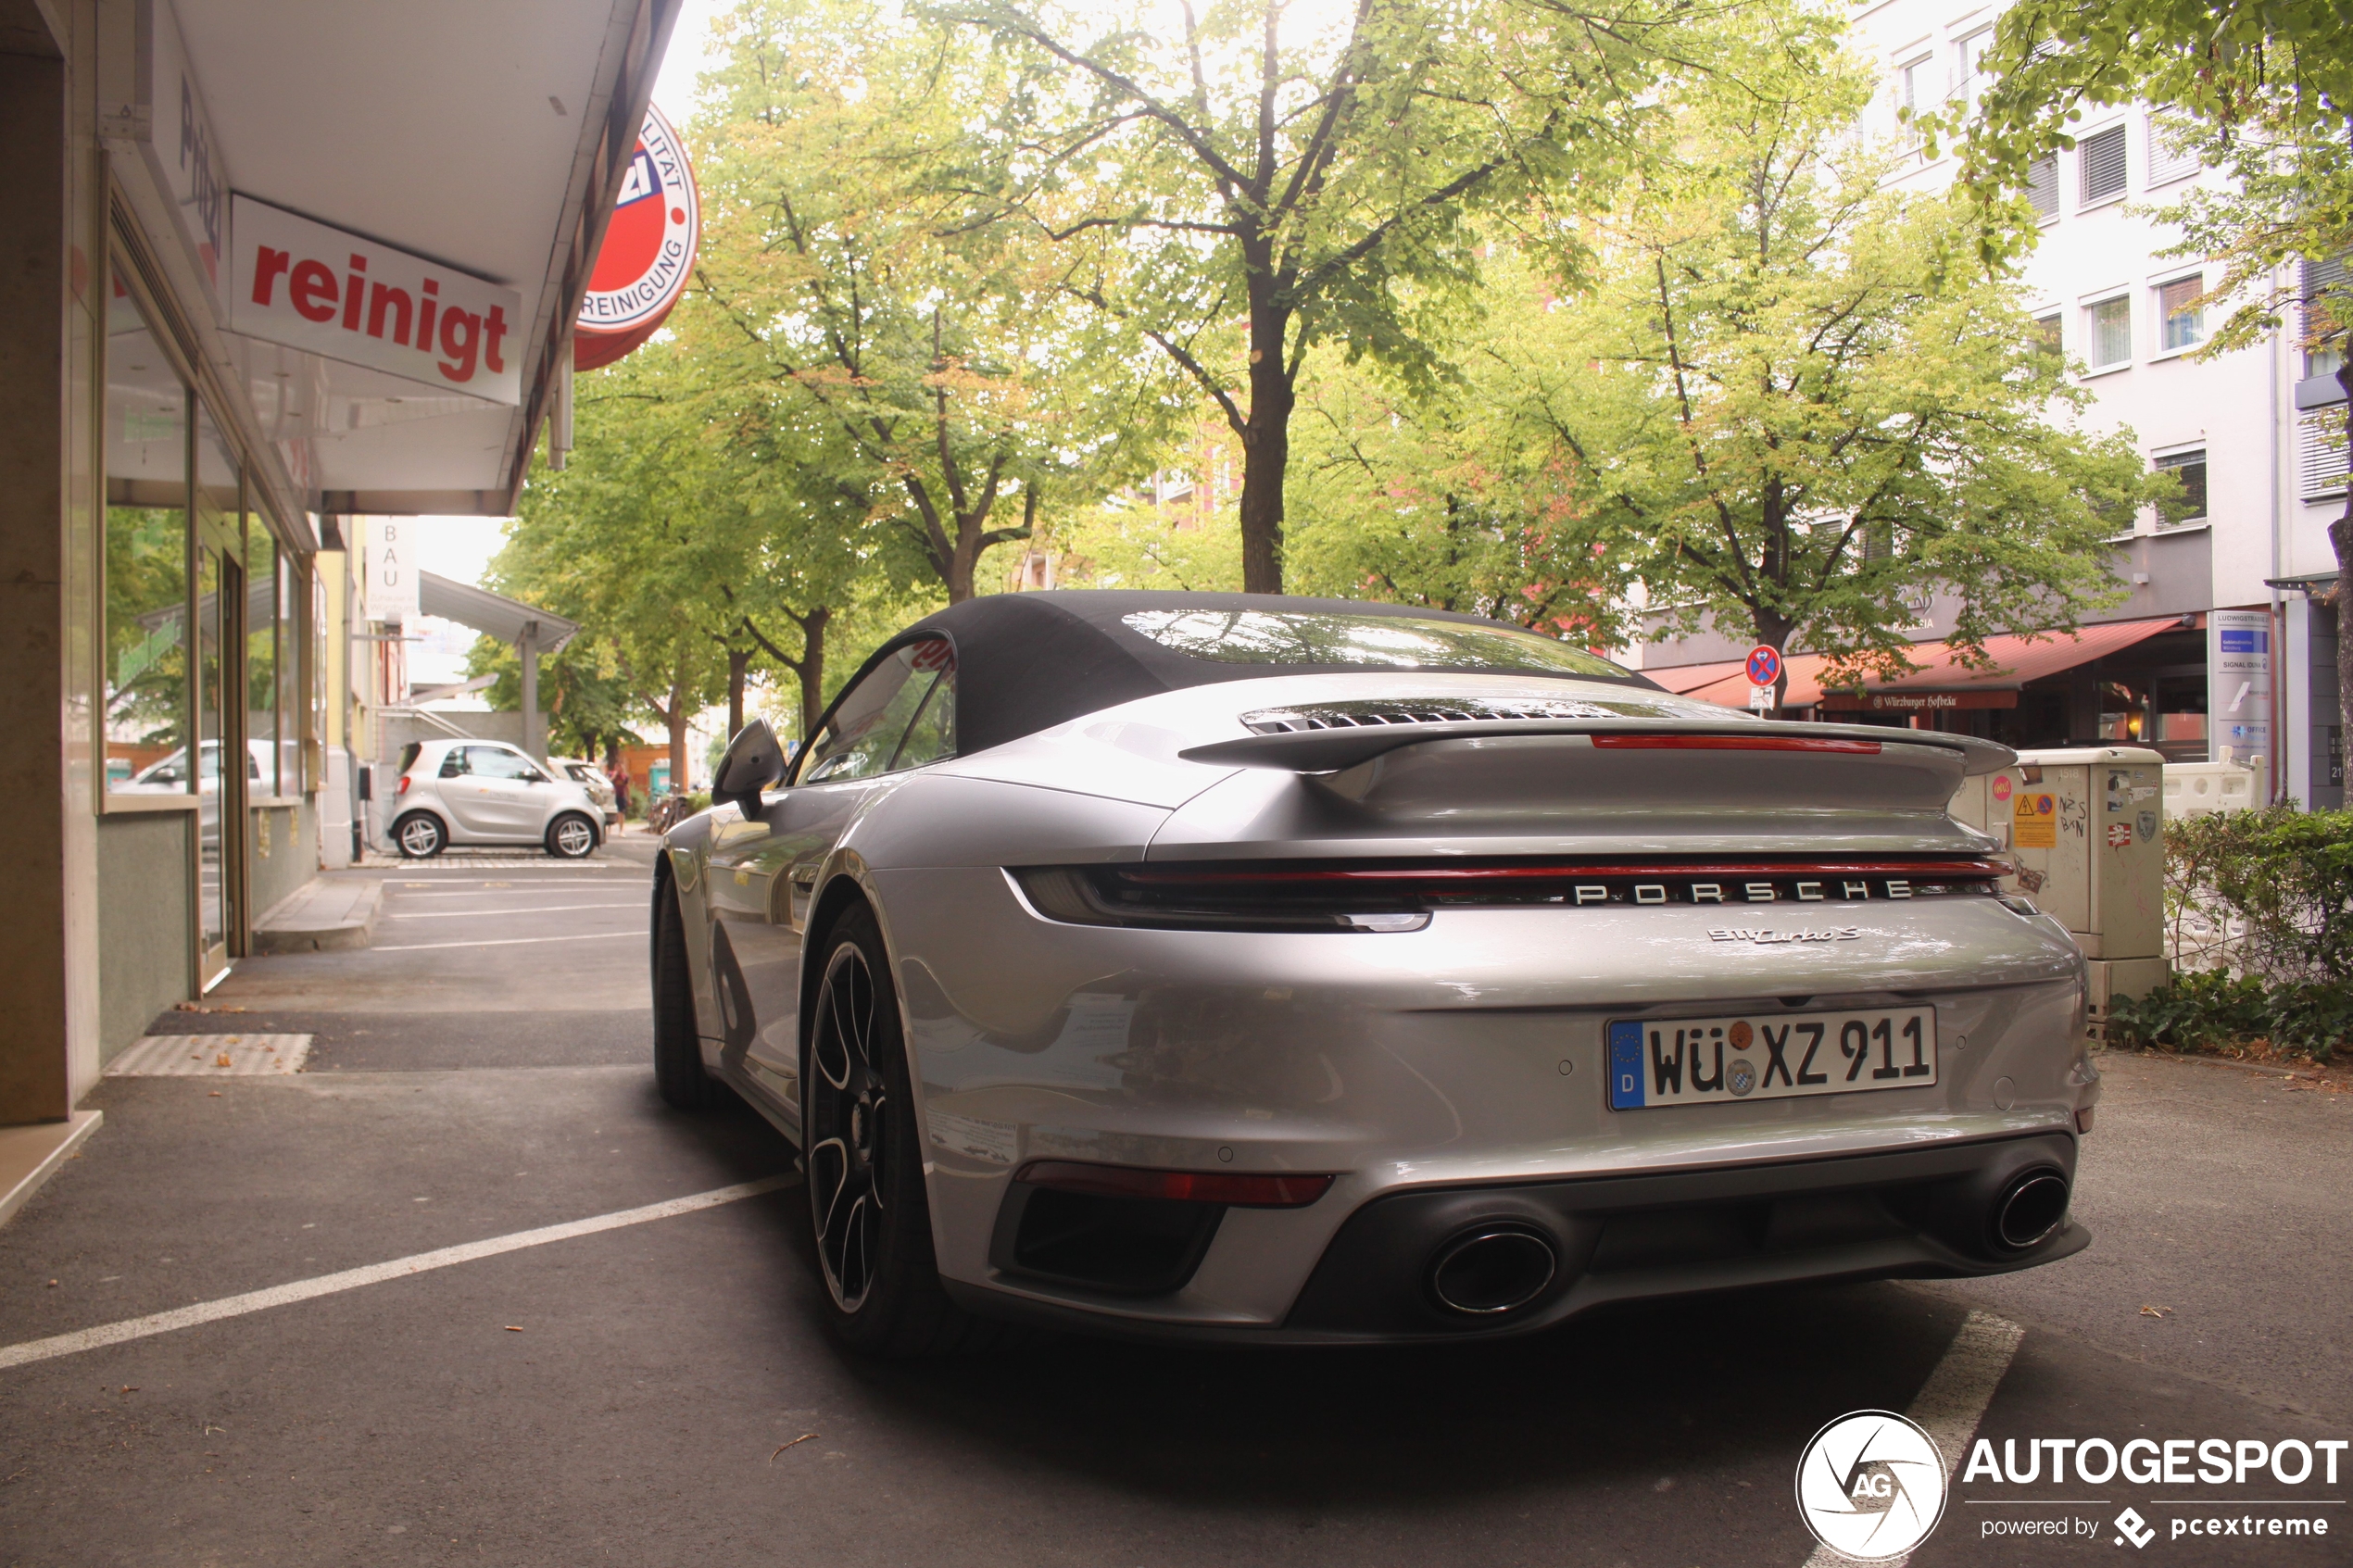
[420, 835]
[867, 1208]
[679, 1069]
[572, 837]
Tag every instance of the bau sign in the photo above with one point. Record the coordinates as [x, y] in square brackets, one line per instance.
[340, 296]
[648, 250]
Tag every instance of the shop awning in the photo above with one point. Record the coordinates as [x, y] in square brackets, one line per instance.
[1938, 669]
[496, 614]
[486, 141]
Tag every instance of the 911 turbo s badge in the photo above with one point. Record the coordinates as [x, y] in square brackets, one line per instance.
[1835, 934]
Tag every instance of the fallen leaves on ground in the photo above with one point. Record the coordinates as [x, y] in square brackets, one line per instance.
[2157, 1311]
[795, 1443]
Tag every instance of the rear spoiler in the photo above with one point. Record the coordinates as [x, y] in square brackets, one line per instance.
[1341, 747]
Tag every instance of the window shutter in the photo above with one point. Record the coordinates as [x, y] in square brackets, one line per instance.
[2101, 159]
[2320, 462]
[2167, 161]
[2041, 186]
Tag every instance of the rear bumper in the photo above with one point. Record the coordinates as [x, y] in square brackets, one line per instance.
[1904, 1214]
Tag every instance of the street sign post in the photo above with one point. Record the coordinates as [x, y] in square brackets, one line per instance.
[1764, 674]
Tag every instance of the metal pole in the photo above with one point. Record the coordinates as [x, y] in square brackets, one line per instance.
[527, 648]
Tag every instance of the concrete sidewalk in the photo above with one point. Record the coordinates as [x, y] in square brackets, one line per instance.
[333, 913]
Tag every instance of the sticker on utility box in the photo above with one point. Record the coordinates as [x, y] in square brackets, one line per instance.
[2035, 821]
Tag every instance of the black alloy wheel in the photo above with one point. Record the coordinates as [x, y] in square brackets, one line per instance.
[866, 1176]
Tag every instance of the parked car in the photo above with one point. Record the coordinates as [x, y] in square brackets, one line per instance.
[1288, 970]
[170, 774]
[486, 792]
[590, 777]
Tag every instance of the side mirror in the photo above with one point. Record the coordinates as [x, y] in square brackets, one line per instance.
[753, 762]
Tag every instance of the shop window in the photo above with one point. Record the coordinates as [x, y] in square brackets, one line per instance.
[2108, 329]
[2041, 186]
[2181, 717]
[2181, 319]
[147, 562]
[2099, 160]
[2189, 469]
[262, 644]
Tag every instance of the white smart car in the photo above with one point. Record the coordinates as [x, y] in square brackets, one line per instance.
[486, 792]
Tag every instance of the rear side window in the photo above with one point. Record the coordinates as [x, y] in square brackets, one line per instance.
[454, 765]
[864, 734]
[1387, 642]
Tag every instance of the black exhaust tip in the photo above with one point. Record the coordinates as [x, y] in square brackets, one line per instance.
[2029, 1208]
[1491, 1269]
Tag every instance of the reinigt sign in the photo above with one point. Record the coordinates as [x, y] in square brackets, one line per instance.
[332, 294]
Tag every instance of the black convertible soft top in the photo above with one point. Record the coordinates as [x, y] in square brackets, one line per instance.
[1026, 663]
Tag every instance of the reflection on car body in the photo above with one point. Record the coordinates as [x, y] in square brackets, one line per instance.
[1267, 969]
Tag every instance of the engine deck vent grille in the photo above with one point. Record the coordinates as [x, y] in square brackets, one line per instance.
[1361, 715]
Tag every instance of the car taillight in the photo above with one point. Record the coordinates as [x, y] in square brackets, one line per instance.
[1395, 896]
[1237, 1191]
[404, 786]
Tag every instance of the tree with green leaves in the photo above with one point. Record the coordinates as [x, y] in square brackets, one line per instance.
[1780, 415]
[1264, 180]
[1460, 497]
[2259, 92]
[957, 384]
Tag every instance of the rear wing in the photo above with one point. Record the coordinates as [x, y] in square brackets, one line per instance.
[1339, 748]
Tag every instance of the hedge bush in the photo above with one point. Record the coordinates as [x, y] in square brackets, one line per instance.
[2259, 910]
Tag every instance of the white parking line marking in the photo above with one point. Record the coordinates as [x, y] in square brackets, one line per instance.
[1953, 1401]
[529, 889]
[373, 1273]
[501, 914]
[211, 1056]
[508, 941]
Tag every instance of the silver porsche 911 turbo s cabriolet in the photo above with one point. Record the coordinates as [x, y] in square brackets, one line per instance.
[1291, 970]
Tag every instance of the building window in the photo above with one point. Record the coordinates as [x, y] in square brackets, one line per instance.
[147, 565]
[2048, 337]
[1969, 64]
[2169, 160]
[2189, 469]
[2100, 160]
[2041, 186]
[2324, 348]
[1914, 95]
[2109, 326]
[2180, 319]
[2320, 454]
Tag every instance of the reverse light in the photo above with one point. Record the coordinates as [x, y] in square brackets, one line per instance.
[1236, 1191]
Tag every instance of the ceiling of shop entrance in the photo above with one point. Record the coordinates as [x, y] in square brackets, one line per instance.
[462, 133]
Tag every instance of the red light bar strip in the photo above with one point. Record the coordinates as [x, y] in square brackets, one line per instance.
[1284, 1191]
[1966, 870]
[1736, 743]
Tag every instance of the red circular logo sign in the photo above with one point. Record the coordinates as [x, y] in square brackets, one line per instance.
[2001, 786]
[648, 250]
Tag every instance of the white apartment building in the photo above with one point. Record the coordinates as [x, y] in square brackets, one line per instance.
[2221, 649]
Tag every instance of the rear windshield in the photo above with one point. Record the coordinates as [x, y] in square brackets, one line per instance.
[1393, 642]
[409, 755]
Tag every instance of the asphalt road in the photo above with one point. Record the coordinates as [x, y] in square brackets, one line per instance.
[662, 1393]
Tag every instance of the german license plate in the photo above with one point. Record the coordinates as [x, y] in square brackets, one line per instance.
[1707, 1061]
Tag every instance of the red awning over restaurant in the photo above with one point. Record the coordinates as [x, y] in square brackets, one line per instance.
[1937, 669]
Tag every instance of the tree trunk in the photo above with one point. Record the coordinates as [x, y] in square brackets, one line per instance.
[1266, 453]
[677, 715]
[739, 665]
[812, 670]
